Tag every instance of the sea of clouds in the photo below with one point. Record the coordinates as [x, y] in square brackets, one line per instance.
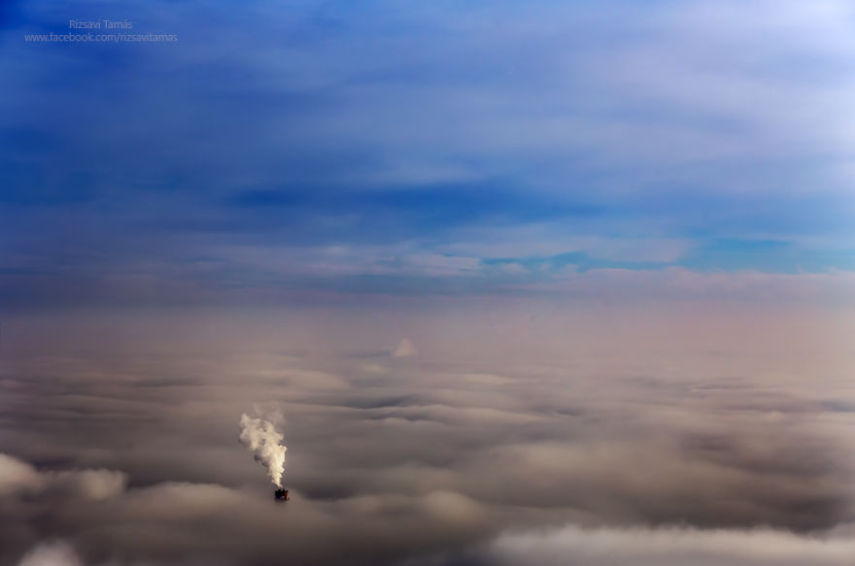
[120, 444]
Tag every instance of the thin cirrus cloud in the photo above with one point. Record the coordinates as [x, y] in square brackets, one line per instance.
[610, 137]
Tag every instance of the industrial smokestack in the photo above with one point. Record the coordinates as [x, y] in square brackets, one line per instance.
[261, 437]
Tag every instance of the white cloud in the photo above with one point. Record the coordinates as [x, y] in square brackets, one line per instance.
[89, 484]
[51, 554]
[670, 546]
[19, 476]
[16, 475]
[405, 349]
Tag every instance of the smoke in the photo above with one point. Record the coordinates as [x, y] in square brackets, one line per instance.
[260, 436]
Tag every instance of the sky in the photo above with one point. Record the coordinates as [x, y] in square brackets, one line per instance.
[527, 282]
[298, 151]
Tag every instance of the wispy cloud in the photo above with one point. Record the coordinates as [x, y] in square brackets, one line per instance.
[624, 135]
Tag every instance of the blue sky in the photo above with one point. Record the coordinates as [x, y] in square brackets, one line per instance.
[284, 149]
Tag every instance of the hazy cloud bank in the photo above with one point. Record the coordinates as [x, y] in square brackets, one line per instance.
[696, 442]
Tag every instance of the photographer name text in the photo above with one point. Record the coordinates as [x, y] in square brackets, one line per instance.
[100, 24]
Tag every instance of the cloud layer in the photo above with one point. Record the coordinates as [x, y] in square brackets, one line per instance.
[706, 447]
[666, 547]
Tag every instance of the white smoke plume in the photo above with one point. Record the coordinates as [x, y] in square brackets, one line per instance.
[260, 436]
